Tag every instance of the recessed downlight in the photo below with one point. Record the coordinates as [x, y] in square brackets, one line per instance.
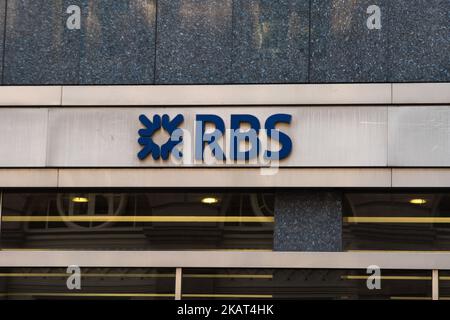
[210, 200]
[417, 201]
[80, 200]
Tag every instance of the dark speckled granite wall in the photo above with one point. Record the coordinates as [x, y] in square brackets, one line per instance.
[343, 49]
[118, 42]
[308, 221]
[194, 41]
[420, 40]
[39, 48]
[225, 41]
[2, 33]
[270, 41]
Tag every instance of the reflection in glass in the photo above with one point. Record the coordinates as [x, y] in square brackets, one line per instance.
[124, 221]
[444, 285]
[397, 221]
[96, 283]
[303, 284]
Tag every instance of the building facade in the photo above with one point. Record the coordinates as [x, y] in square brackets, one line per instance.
[203, 149]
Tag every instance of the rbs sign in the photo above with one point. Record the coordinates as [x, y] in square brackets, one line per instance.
[225, 143]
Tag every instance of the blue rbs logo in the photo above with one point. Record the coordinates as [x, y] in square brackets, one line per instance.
[235, 135]
[151, 127]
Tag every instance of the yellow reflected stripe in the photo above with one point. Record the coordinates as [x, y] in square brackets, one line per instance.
[137, 219]
[57, 294]
[410, 298]
[243, 296]
[228, 276]
[396, 220]
[139, 275]
[387, 277]
[88, 275]
[418, 298]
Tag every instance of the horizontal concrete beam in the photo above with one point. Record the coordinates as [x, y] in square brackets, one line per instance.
[186, 95]
[226, 177]
[193, 177]
[420, 93]
[221, 259]
[28, 178]
[289, 94]
[427, 178]
[30, 95]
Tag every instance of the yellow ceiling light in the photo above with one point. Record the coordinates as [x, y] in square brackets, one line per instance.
[80, 200]
[417, 201]
[210, 200]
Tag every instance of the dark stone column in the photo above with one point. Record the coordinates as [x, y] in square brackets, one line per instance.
[308, 221]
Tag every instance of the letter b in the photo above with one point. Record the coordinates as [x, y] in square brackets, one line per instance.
[250, 136]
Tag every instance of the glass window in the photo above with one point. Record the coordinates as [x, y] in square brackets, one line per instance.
[96, 283]
[125, 221]
[397, 221]
[232, 284]
[303, 284]
[444, 285]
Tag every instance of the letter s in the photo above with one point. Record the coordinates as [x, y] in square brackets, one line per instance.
[285, 141]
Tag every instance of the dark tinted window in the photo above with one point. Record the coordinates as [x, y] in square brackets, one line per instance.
[303, 284]
[95, 283]
[125, 221]
[394, 221]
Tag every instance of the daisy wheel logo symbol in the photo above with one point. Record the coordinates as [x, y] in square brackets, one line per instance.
[149, 147]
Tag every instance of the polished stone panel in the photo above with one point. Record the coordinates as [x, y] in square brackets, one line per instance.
[271, 41]
[118, 42]
[343, 49]
[420, 40]
[25, 96]
[308, 221]
[39, 48]
[419, 136]
[83, 137]
[194, 41]
[321, 136]
[245, 94]
[421, 93]
[23, 137]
